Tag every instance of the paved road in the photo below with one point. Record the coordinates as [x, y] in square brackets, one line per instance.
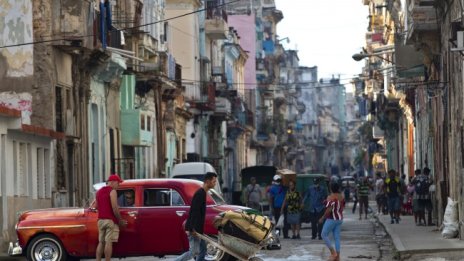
[361, 240]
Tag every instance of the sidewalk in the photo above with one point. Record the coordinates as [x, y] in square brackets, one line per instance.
[411, 239]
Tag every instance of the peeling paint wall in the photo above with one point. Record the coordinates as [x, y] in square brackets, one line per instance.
[16, 28]
[18, 101]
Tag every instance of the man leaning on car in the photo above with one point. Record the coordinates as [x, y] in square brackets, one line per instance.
[109, 218]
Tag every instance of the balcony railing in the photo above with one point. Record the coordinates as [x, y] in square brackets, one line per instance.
[423, 16]
[207, 100]
[216, 21]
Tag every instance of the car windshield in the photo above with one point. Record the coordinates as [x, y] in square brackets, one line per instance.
[216, 197]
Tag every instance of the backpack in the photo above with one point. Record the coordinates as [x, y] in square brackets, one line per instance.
[393, 186]
[422, 186]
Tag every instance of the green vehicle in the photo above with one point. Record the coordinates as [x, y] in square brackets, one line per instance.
[263, 175]
[303, 182]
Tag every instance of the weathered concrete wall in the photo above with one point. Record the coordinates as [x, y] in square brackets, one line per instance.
[15, 205]
[42, 88]
[16, 28]
[16, 63]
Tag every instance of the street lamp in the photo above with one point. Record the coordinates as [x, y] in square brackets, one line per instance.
[286, 38]
[359, 56]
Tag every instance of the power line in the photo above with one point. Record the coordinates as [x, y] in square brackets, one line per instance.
[115, 29]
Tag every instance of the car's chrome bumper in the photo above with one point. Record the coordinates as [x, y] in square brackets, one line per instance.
[14, 249]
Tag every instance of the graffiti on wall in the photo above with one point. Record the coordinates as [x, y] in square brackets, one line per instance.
[15, 29]
[18, 101]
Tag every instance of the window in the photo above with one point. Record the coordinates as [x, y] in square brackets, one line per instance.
[47, 177]
[126, 198]
[58, 109]
[15, 167]
[176, 199]
[22, 170]
[40, 174]
[142, 122]
[162, 197]
[148, 123]
[2, 165]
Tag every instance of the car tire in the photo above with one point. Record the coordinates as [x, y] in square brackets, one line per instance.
[46, 247]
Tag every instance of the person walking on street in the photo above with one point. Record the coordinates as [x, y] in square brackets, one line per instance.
[293, 203]
[333, 217]
[196, 220]
[109, 218]
[316, 195]
[416, 208]
[253, 194]
[276, 199]
[393, 189]
[363, 197]
[422, 189]
[379, 193]
[355, 194]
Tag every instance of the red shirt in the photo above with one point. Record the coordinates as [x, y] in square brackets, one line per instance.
[337, 208]
[105, 211]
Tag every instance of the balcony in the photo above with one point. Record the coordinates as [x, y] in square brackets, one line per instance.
[279, 94]
[268, 4]
[422, 17]
[216, 26]
[207, 100]
[223, 107]
[136, 128]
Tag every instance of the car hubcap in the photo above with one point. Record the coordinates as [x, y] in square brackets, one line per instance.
[45, 251]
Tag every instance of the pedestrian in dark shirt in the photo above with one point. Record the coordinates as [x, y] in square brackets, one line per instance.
[363, 196]
[316, 195]
[196, 220]
[393, 189]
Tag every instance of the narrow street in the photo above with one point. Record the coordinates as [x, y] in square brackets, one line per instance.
[361, 240]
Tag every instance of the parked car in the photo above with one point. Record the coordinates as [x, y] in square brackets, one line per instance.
[194, 170]
[154, 224]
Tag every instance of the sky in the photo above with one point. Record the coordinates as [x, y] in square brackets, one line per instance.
[326, 34]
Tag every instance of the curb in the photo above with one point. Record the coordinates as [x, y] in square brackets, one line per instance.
[401, 250]
[395, 238]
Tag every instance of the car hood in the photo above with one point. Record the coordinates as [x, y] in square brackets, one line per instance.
[52, 213]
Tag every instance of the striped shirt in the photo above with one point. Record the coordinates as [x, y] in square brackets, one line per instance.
[337, 208]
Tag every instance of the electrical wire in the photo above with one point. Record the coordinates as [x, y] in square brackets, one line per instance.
[116, 29]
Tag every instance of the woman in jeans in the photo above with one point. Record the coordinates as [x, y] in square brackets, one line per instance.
[333, 216]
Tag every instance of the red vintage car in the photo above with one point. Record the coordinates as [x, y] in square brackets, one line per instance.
[155, 215]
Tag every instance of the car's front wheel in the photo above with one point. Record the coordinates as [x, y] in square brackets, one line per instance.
[46, 248]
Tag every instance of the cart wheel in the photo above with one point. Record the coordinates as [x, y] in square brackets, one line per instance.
[215, 254]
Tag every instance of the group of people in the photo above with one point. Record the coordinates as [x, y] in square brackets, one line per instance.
[325, 212]
[393, 194]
